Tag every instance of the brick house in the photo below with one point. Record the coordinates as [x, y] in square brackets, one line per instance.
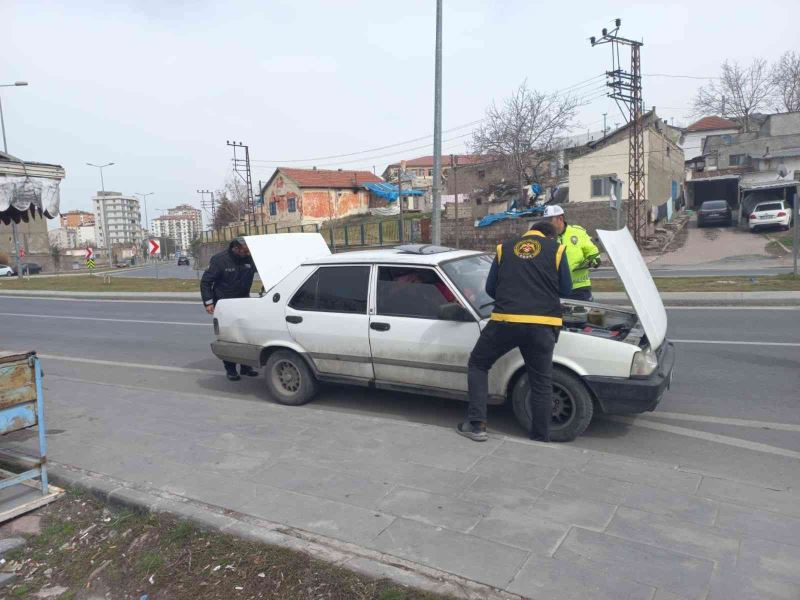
[307, 196]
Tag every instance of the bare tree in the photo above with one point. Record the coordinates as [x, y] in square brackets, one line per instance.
[786, 79]
[738, 93]
[525, 131]
[232, 205]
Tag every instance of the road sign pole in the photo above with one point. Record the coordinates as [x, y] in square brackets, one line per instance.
[796, 237]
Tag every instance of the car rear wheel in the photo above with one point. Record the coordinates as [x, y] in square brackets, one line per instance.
[572, 406]
[289, 380]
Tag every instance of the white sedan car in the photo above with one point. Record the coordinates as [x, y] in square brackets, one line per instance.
[6, 271]
[770, 214]
[405, 319]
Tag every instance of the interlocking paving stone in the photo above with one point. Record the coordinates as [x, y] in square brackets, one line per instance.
[521, 530]
[759, 523]
[433, 509]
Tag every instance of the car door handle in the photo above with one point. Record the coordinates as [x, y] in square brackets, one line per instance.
[294, 319]
[380, 326]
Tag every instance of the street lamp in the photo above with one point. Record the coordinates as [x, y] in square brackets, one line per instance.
[5, 149]
[146, 220]
[105, 212]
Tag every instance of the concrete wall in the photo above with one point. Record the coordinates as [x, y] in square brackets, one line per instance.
[665, 164]
[692, 144]
[31, 236]
[280, 191]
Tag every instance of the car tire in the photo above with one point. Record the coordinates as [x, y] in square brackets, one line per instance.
[289, 380]
[572, 405]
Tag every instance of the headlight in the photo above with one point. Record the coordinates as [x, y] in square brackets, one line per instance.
[644, 363]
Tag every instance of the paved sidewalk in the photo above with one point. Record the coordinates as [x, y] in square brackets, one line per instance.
[535, 520]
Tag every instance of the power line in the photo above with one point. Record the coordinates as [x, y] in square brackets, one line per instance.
[671, 76]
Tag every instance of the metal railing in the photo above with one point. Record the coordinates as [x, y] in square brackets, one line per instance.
[358, 235]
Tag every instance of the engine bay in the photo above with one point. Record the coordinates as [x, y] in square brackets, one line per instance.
[602, 321]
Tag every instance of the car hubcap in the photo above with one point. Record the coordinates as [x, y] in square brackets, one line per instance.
[287, 377]
[563, 406]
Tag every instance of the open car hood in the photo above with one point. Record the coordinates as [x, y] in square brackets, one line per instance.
[639, 284]
[278, 254]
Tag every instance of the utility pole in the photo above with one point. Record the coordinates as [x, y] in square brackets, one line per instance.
[146, 220]
[605, 129]
[242, 168]
[208, 205]
[400, 173]
[436, 226]
[454, 168]
[626, 87]
[103, 199]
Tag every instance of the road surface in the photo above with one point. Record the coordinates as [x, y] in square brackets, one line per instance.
[734, 408]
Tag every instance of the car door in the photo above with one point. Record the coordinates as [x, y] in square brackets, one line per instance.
[328, 317]
[411, 345]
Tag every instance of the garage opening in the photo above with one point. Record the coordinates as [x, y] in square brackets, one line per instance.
[715, 189]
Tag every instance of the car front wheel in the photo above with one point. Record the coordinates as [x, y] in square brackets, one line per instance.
[289, 380]
[572, 406]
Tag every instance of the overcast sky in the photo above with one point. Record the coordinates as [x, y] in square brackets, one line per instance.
[158, 86]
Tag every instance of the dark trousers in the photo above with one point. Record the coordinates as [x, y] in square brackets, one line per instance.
[584, 293]
[230, 367]
[536, 343]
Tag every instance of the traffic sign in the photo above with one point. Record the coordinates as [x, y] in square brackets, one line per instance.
[90, 263]
[155, 247]
[89, 253]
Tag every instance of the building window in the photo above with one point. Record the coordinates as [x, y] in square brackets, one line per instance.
[430, 172]
[273, 208]
[601, 186]
[291, 205]
[481, 174]
[735, 160]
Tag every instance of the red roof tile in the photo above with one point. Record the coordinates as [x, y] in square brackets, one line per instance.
[329, 179]
[709, 123]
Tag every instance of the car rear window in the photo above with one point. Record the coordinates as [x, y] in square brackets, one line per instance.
[715, 204]
[334, 289]
[770, 206]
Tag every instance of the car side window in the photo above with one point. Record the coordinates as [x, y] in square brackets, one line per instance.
[334, 289]
[411, 292]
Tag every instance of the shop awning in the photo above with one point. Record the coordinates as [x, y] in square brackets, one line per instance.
[767, 181]
[389, 191]
[28, 190]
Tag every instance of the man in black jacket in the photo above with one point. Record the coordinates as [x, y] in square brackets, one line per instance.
[528, 277]
[229, 275]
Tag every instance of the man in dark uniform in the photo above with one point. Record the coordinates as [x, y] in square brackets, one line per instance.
[527, 279]
[229, 275]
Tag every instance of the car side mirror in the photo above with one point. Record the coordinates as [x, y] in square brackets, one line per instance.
[453, 311]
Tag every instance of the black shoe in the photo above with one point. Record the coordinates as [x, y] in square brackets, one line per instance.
[474, 430]
[248, 371]
[233, 377]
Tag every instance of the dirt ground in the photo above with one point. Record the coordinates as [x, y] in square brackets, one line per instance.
[86, 551]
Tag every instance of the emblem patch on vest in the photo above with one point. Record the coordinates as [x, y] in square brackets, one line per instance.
[527, 249]
[574, 240]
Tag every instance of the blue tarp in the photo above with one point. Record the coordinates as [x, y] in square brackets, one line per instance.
[511, 214]
[389, 191]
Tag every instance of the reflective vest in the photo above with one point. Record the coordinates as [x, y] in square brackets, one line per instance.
[580, 250]
[527, 281]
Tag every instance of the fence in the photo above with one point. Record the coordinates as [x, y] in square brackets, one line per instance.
[358, 235]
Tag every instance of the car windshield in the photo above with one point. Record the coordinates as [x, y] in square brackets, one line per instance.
[772, 206]
[714, 205]
[469, 276]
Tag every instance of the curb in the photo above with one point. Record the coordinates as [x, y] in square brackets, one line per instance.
[140, 296]
[366, 562]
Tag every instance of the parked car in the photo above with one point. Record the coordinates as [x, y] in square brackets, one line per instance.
[714, 212]
[183, 260]
[30, 268]
[122, 265]
[405, 319]
[770, 214]
[6, 271]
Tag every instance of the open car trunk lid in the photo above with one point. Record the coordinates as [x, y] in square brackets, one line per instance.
[278, 254]
[639, 284]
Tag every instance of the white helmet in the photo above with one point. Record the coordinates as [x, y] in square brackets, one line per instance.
[554, 210]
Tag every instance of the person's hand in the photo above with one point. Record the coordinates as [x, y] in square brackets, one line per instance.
[210, 309]
[595, 262]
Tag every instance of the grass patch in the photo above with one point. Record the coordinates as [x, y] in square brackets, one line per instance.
[96, 551]
[88, 283]
[772, 283]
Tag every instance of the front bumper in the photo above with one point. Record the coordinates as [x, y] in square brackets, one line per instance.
[618, 395]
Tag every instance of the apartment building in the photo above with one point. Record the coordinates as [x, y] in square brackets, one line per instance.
[118, 219]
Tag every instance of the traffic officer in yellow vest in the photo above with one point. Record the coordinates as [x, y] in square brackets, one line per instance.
[582, 254]
[527, 278]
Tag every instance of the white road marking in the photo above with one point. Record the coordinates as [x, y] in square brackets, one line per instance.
[727, 421]
[104, 319]
[737, 343]
[759, 308]
[115, 363]
[60, 299]
[706, 436]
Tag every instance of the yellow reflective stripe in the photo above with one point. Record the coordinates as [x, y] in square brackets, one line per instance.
[559, 253]
[499, 252]
[533, 232]
[532, 319]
